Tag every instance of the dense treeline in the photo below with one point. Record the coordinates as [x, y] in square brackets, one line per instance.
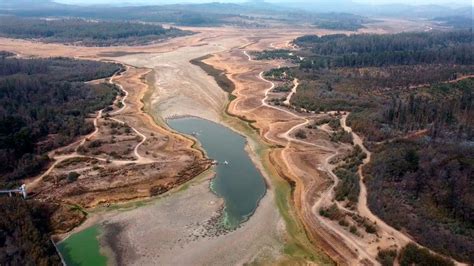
[24, 233]
[275, 54]
[43, 105]
[213, 14]
[430, 173]
[341, 21]
[446, 110]
[4, 54]
[443, 111]
[383, 50]
[432, 182]
[411, 254]
[355, 89]
[210, 14]
[411, 97]
[84, 32]
[340, 25]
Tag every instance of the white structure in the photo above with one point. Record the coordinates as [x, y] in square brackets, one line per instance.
[21, 190]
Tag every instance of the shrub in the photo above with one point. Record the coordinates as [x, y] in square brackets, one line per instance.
[95, 144]
[331, 212]
[301, 134]
[370, 228]
[353, 229]
[411, 254]
[343, 222]
[386, 257]
[335, 124]
[72, 177]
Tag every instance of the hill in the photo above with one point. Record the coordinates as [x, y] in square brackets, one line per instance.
[85, 32]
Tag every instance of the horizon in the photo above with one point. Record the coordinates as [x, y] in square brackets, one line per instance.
[455, 3]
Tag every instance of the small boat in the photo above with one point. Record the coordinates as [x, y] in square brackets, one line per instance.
[226, 162]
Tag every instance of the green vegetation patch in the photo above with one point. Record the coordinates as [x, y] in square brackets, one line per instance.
[83, 248]
[348, 188]
[276, 54]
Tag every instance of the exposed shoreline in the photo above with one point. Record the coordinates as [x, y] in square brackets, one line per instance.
[257, 159]
[264, 204]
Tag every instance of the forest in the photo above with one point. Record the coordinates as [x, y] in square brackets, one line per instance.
[372, 50]
[431, 182]
[341, 21]
[85, 32]
[24, 233]
[411, 97]
[43, 105]
[246, 15]
[213, 14]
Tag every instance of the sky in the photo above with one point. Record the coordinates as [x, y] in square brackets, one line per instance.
[456, 2]
[412, 2]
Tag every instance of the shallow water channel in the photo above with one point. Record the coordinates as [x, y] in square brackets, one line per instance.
[238, 182]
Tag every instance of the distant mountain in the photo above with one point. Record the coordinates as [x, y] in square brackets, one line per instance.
[457, 22]
[220, 13]
[27, 4]
[387, 10]
[322, 5]
[422, 11]
[465, 12]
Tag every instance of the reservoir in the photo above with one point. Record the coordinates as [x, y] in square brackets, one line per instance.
[238, 182]
[237, 179]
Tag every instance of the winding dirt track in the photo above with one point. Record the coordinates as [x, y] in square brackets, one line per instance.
[31, 185]
[328, 195]
[306, 120]
[338, 252]
[140, 159]
[309, 196]
[362, 206]
[293, 91]
[365, 250]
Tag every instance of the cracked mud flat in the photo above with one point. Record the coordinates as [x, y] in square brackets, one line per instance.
[183, 229]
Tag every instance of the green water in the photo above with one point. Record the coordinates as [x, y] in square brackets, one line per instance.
[83, 249]
[239, 183]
